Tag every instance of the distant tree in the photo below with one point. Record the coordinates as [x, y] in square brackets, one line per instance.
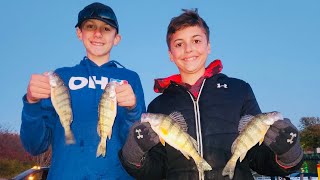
[310, 132]
[43, 159]
[11, 147]
[14, 159]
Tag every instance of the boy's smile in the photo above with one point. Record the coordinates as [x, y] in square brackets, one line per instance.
[98, 39]
[189, 50]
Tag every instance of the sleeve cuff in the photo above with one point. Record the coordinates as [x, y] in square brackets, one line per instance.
[31, 109]
[134, 114]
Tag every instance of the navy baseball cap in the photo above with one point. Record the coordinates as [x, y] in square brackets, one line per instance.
[98, 11]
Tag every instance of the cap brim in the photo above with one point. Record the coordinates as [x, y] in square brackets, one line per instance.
[110, 22]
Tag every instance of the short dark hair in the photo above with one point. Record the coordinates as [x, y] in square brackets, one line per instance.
[188, 18]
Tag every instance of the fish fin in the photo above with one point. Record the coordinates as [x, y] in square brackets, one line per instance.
[261, 141]
[194, 143]
[244, 121]
[164, 131]
[262, 138]
[179, 119]
[233, 146]
[202, 165]
[101, 151]
[109, 134]
[265, 131]
[243, 155]
[163, 142]
[229, 168]
[98, 129]
[185, 154]
[69, 137]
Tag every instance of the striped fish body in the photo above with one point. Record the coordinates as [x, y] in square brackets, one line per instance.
[173, 130]
[61, 102]
[107, 114]
[251, 134]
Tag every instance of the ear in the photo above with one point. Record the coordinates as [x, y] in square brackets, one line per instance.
[117, 39]
[170, 55]
[209, 48]
[79, 33]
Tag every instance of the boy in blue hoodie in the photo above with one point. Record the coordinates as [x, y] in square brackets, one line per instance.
[98, 29]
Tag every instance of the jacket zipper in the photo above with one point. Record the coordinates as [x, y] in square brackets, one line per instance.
[198, 124]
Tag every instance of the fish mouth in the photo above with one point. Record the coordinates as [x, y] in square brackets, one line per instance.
[52, 79]
[145, 117]
[277, 115]
[152, 119]
[273, 117]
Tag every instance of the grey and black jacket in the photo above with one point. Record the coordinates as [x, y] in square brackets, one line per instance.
[212, 119]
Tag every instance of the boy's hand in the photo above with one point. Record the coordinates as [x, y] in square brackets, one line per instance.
[283, 139]
[125, 96]
[145, 137]
[38, 88]
[281, 136]
[140, 140]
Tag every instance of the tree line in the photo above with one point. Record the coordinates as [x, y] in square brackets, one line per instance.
[14, 159]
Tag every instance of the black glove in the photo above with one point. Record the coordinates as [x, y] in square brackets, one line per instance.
[140, 140]
[283, 139]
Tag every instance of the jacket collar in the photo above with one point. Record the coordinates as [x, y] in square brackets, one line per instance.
[215, 67]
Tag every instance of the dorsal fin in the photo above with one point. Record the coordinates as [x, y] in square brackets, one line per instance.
[178, 118]
[244, 121]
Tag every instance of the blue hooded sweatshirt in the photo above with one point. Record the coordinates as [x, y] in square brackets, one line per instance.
[41, 126]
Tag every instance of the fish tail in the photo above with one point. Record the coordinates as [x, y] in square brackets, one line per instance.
[229, 168]
[69, 137]
[101, 148]
[202, 165]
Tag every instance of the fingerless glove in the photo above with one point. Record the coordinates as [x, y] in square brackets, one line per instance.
[140, 140]
[283, 139]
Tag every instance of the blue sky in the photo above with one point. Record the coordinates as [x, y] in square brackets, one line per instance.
[273, 45]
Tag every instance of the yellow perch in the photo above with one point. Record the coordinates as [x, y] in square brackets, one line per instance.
[61, 102]
[173, 130]
[253, 131]
[107, 114]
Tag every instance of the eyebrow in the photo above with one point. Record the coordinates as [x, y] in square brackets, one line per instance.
[192, 37]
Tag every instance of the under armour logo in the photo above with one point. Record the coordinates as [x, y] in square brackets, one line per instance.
[140, 136]
[293, 135]
[223, 85]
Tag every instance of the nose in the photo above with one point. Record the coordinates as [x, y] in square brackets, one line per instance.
[188, 47]
[97, 32]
